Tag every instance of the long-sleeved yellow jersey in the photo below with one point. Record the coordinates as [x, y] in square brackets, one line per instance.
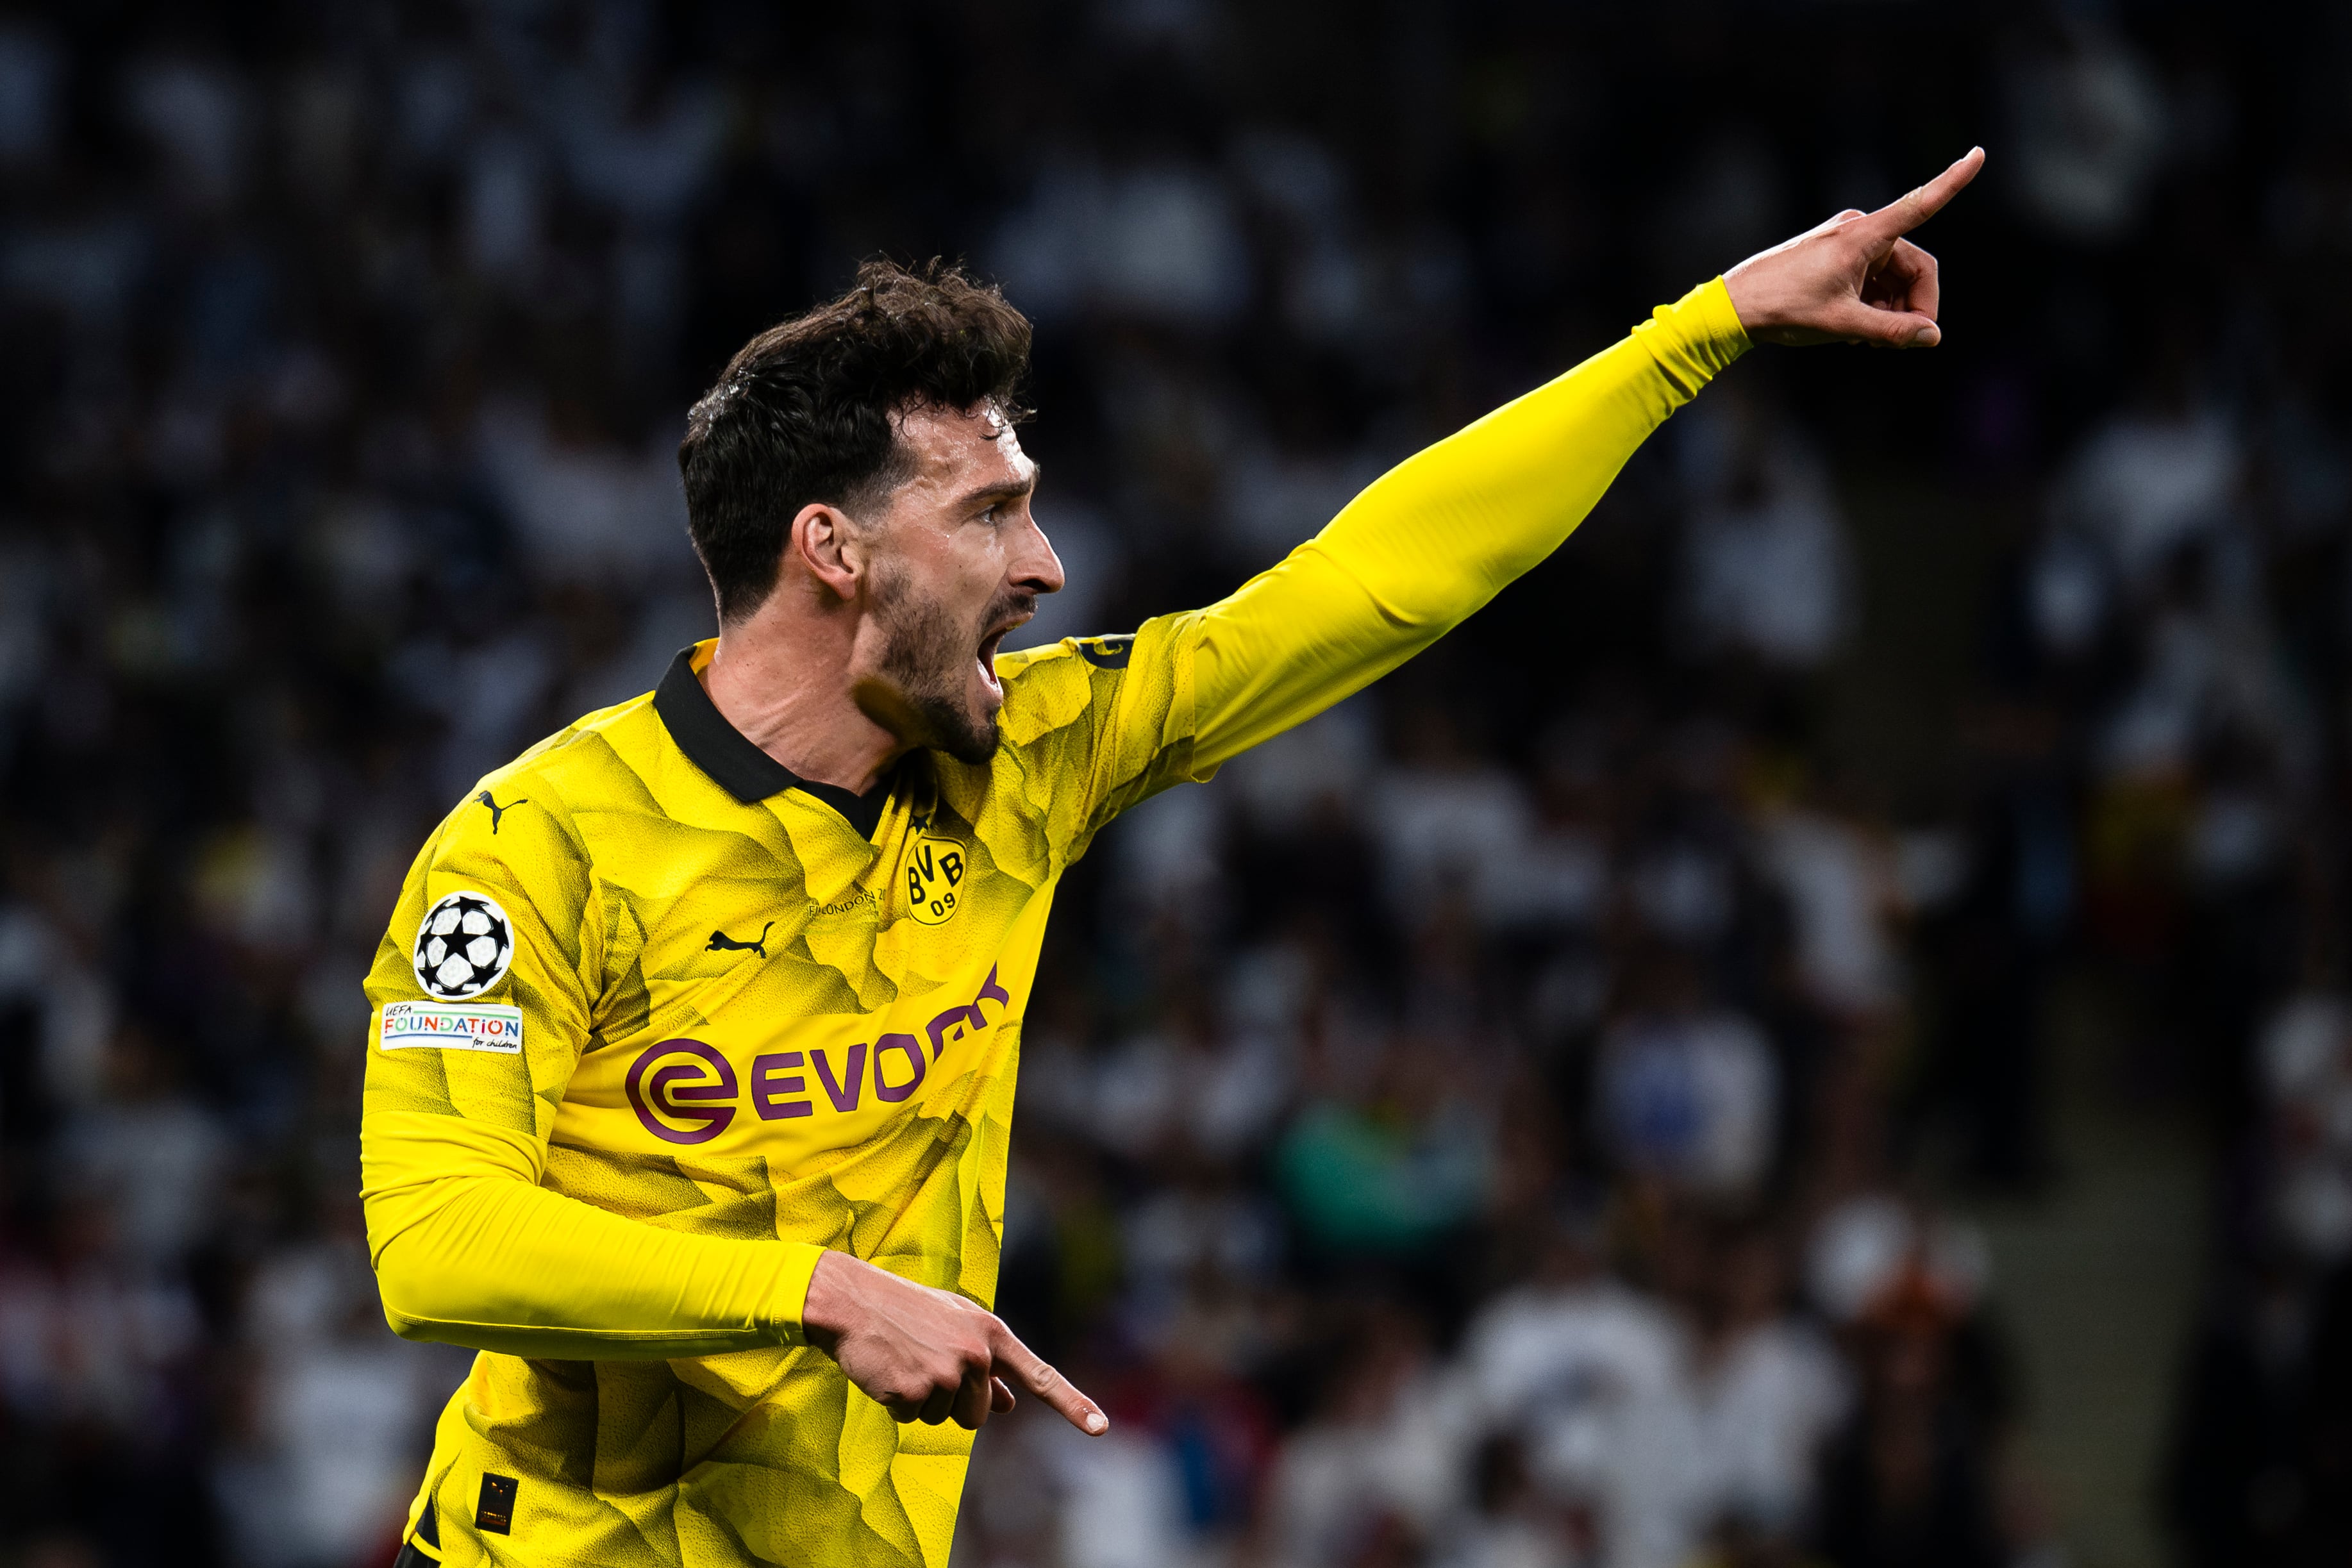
[656, 1022]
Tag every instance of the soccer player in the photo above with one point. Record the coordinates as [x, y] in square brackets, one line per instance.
[691, 1073]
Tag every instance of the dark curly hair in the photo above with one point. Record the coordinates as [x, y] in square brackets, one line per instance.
[805, 411]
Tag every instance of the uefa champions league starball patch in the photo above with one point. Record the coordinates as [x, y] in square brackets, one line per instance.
[463, 947]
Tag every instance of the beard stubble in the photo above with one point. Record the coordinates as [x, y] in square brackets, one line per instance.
[927, 656]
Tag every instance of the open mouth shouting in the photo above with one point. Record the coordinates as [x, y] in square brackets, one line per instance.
[1008, 618]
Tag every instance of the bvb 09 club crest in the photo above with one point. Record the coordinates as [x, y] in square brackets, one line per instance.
[935, 869]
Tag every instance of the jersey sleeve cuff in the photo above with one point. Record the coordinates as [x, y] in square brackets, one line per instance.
[792, 1289]
[1696, 338]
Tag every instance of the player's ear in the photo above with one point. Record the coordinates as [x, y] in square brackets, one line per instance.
[825, 543]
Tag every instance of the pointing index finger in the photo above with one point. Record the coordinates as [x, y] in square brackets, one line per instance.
[1049, 1385]
[1915, 207]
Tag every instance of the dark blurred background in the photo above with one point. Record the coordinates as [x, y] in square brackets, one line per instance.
[1813, 1030]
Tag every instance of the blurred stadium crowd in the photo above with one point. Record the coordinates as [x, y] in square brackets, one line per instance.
[1492, 1127]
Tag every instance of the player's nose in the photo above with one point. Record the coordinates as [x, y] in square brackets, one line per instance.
[1036, 567]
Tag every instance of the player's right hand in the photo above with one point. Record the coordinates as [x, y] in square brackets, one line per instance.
[928, 1355]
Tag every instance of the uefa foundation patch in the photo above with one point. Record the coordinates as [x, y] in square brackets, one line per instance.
[486, 1027]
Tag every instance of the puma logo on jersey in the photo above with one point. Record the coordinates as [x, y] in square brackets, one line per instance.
[497, 810]
[721, 943]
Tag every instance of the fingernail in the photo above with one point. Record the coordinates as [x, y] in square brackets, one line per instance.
[1097, 1423]
[1926, 338]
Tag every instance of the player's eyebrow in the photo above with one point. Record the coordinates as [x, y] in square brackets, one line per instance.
[1012, 490]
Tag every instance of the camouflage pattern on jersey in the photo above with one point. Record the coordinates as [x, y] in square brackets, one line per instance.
[743, 1017]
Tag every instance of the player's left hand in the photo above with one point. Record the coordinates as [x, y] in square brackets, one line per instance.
[1854, 280]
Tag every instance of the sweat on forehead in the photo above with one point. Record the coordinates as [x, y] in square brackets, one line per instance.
[981, 441]
[987, 419]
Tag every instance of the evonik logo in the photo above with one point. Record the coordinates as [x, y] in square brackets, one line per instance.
[686, 1092]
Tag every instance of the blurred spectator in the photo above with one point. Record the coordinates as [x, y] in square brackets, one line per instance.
[2089, 125]
[1770, 1389]
[1687, 1092]
[2306, 1074]
[1908, 1480]
[1375, 1470]
[337, 1407]
[2240, 1484]
[1993, 921]
[1392, 1172]
[149, 1154]
[1766, 569]
[1591, 1375]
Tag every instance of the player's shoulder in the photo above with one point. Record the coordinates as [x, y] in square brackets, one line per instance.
[531, 803]
[593, 753]
[1050, 687]
[1107, 652]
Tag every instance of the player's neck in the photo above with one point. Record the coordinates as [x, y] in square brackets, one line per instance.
[784, 681]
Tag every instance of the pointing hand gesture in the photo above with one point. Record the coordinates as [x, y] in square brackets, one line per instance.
[930, 1355]
[1854, 280]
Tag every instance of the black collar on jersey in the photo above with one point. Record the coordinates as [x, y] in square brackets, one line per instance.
[739, 767]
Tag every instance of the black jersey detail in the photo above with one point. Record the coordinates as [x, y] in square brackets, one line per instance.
[738, 766]
[495, 1512]
[1108, 653]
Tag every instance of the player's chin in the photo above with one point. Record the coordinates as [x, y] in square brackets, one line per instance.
[974, 738]
[974, 746]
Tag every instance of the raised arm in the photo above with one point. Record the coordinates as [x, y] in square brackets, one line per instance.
[1439, 534]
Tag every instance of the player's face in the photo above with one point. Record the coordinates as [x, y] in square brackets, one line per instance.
[960, 562]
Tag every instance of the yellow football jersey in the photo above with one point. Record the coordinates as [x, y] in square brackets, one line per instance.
[656, 1021]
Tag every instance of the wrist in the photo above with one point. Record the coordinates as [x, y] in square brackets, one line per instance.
[1754, 300]
[797, 1293]
[1720, 320]
[1695, 338]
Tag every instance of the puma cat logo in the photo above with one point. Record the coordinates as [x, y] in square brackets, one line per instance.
[497, 810]
[721, 943]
